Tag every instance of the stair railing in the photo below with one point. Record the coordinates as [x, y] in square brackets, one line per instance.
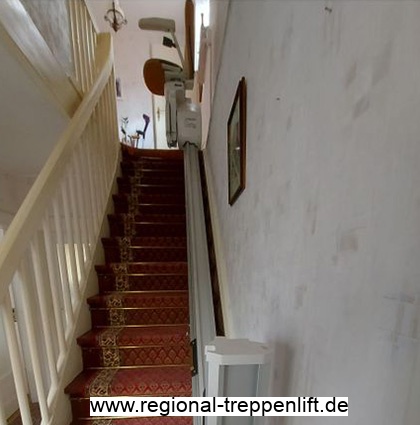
[84, 39]
[47, 252]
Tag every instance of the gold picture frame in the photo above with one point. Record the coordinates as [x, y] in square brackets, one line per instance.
[236, 143]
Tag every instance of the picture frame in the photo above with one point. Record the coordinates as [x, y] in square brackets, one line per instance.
[236, 144]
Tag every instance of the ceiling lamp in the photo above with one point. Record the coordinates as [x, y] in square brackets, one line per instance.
[115, 16]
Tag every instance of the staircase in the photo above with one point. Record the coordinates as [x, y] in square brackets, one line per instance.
[139, 341]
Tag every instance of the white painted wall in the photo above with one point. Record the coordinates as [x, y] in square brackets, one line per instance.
[13, 190]
[131, 51]
[30, 123]
[321, 249]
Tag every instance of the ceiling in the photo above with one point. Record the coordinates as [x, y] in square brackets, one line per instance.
[136, 9]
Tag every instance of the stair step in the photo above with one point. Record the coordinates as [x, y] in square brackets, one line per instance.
[142, 168]
[155, 180]
[169, 381]
[148, 218]
[124, 208]
[135, 337]
[135, 154]
[131, 316]
[158, 299]
[142, 282]
[129, 357]
[146, 241]
[157, 199]
[133, 229]
[175, 267]
[114, 254]
[136, 186]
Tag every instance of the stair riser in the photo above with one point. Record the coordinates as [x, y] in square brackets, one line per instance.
[143, 189]
[158, 299]
[130, 170]
[132, 154]
[138, 317]
[109, 283]
[149, 241]
[157, 180]
[122, 269]
[161, 200]
[136, 356]
[120, 229]
[148, 218]
[114, 254]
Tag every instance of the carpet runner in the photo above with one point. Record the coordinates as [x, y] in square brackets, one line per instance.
[139, 341]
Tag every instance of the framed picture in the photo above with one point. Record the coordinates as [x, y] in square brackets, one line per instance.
[236, 143]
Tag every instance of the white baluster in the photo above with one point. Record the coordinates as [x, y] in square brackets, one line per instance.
[113, 121]
[88, 192]
[75, 41]
[84, 206]
[89, 41]
[97, 163]
[44, 310]
[83, 45]
[31, 334]
[93, 186]
[63, 263]
[18, 369]
[74, 284]
[103, 144]
[82, 63]
[103, 138]
[53, 273]
[76, 226]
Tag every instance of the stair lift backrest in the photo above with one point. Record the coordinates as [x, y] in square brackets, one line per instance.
[156, 72]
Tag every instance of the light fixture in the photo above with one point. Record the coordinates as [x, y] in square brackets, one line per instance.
[115, 16]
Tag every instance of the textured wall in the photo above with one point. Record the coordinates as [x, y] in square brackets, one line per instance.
[321, 249]
[53, 22]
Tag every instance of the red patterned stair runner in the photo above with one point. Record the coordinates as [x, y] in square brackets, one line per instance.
[139, 343]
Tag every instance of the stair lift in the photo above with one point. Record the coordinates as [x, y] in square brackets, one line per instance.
[164, 78]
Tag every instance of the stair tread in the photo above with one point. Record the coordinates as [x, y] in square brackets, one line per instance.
[153, 381]
[144, 336]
